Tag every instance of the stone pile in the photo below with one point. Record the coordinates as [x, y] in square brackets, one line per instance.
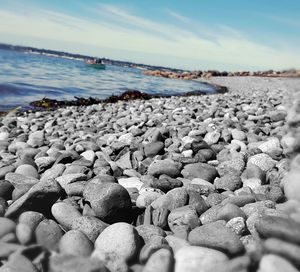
[181, 184]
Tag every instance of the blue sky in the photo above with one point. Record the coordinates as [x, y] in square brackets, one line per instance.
[191, 34]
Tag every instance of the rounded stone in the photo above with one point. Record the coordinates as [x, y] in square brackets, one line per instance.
[274, 263]
[27, 170]
[76, 243]
[230, 182]
[196, 258]
[48, 233]
[90, 226]
[6, 226]
[147, 196]
[121, 239]
[161, 260]
[64, 214]
[110, 201]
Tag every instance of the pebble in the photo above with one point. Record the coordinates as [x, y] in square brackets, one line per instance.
[75, 243]
[161, 260]
[229, 182]
[197, 258]
[200, 170]
[167, 167]
[120, 240]
[6, 226]
[274, 263]
[110, 201]
[217, 236]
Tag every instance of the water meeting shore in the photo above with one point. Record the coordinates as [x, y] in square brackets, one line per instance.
[183, 183]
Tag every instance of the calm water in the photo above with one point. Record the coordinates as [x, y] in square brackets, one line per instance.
[27, 77]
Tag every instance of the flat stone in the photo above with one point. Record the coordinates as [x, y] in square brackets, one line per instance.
[39, 198]
[198, 259]
[217, 236]
[277, 227]
[167, 167]
[200, 170]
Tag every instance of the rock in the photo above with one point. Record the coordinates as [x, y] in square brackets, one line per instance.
[64, 214]
[74, 242]
[154, 244]
[263, 161]
[89, 155]
[212, 137]
[271, 145]
[273, 193]
[159, 217]
[276, 116]
[229, 211]
[148, 231]
[175, 198]
[167, 167]
[277, 227]
[238, 135]
[54, 172]
[286, 250]
[147, 196]
[290, 181]
[6, 169]
[153, 148]
[196, 259]
[273, 263]
[3, 206]
[66, 263]
[200, 170]
[39, 198]
[161, 260]
[230, 182]
[217, 236]
[110, 201]
[6, 226]
[237, 224]
[132, 182]
[64, 180]
[90, 226]
[183, 219]
[119, 239]
[36, 139]
[6, 189]
[164, 183]
[48, 234]
[176, 243]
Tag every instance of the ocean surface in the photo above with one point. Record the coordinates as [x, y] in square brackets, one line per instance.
[28, 77]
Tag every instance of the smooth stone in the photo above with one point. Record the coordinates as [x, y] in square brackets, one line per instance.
[64, 214]
[76, 243]
[164, 183]
[277, 227]
[3, 206]
[258, 207]
[89, 225]
[175, 198]
[110, 201]
[54, 172]
[153, 148]
[270, 145]
[274, 263]
[27, 170]
[6, 226]
[124, 162]
[148, 231]
[159, 217]
[44, 163]
[48, 234]
[253, 171]
[200, 170]
[6, 169]
[67, 263]
[176, 243]
[198, 259]
[284, 249]
[196, 200]
[132, 182]
[6, 249]
[155, 243]
[217, 236]
[36, 139]
[39, 198]
[252, 183]
[167, 167]
[64, 180]
[89, 155]
[24, 233]
[291, 185]
[212, 137]
[183, 219]
[229, 211]
[161, 260]
[273, 193]
[229, 182]
[6, 189]
[239, 200]
[119, 239]
[238, 135]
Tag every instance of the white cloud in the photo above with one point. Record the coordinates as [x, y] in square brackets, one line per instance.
[216, 47]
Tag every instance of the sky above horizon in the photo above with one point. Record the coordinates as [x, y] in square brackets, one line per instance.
[193, 34]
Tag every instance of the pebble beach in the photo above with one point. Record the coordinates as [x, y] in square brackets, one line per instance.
[185, 184]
